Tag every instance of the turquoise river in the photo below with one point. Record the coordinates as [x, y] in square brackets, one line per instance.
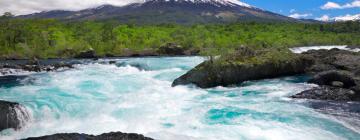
[135, 95]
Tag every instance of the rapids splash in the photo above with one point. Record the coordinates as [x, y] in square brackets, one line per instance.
[135, 95]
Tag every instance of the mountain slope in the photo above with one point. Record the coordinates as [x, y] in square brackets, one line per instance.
[170, 11]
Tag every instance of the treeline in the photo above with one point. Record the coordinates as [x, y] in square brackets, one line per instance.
[21, 38]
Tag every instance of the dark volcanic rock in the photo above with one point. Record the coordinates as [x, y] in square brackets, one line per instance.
[334, 78]
[329, 93]
[87, 54]
[353, 47]
[338, 73]
[171, 49]
[208, 74]
[12, 115]
[126, 52]
[9, 68]
[106, 136]
[334, 59]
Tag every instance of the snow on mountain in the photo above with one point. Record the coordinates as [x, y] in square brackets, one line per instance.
[215, 2]
[170, 11]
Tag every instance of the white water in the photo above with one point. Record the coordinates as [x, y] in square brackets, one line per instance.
[308, 48]
[98, 98]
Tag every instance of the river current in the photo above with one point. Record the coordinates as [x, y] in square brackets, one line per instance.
[134, 95]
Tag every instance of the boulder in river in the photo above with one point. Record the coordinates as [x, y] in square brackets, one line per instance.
[12, 115]
[106, 136]
[211, 74]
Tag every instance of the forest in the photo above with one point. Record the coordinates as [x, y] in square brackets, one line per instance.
[26, 38]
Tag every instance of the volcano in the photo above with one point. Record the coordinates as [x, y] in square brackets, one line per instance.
[169, 11]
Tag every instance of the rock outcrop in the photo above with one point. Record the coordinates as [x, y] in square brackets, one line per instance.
[106, 136]
[337, 72]
[171, 49]
[210, 74]
[87, 54]
[336, 78]
[12, 115]
[329, 93]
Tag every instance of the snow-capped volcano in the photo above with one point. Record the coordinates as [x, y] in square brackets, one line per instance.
[170, 11]
[215, 2]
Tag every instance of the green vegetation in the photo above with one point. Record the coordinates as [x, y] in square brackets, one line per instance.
[245, 55]
[21, 38]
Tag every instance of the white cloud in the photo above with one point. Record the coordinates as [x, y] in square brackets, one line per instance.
[347, 17]
[333, 5]
[297, 15]
[292, 10]
[19, 7]
[324, 18]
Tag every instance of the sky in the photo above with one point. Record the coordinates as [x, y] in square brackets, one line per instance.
[310, 9]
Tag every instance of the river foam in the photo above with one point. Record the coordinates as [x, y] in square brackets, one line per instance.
[95, 98]
[308, 48]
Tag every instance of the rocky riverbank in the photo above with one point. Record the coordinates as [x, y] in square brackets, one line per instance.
[105, 136]
[337, 72]
[31, 66]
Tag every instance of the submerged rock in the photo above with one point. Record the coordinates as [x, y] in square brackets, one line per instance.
[209, 74]
[12, 115]
[106, 136]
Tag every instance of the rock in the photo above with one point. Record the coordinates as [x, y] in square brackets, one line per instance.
[9, 69]
[337, 84]
[87, 54]
[171, 49]
[126, 52]
[209, 74]
[148, 52]
[12, 115]
[329, 93]
[333, 59]
[353, 47]
[106, 136]
[343, 78]
[112, 62]
[109, 55]
[192, 52]
[338, 74]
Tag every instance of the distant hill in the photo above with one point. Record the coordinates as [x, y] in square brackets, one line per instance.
[170, 11]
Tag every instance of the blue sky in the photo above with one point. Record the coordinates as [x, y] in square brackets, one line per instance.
[310, 7]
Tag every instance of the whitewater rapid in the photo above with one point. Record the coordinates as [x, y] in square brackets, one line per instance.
[135, 95]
